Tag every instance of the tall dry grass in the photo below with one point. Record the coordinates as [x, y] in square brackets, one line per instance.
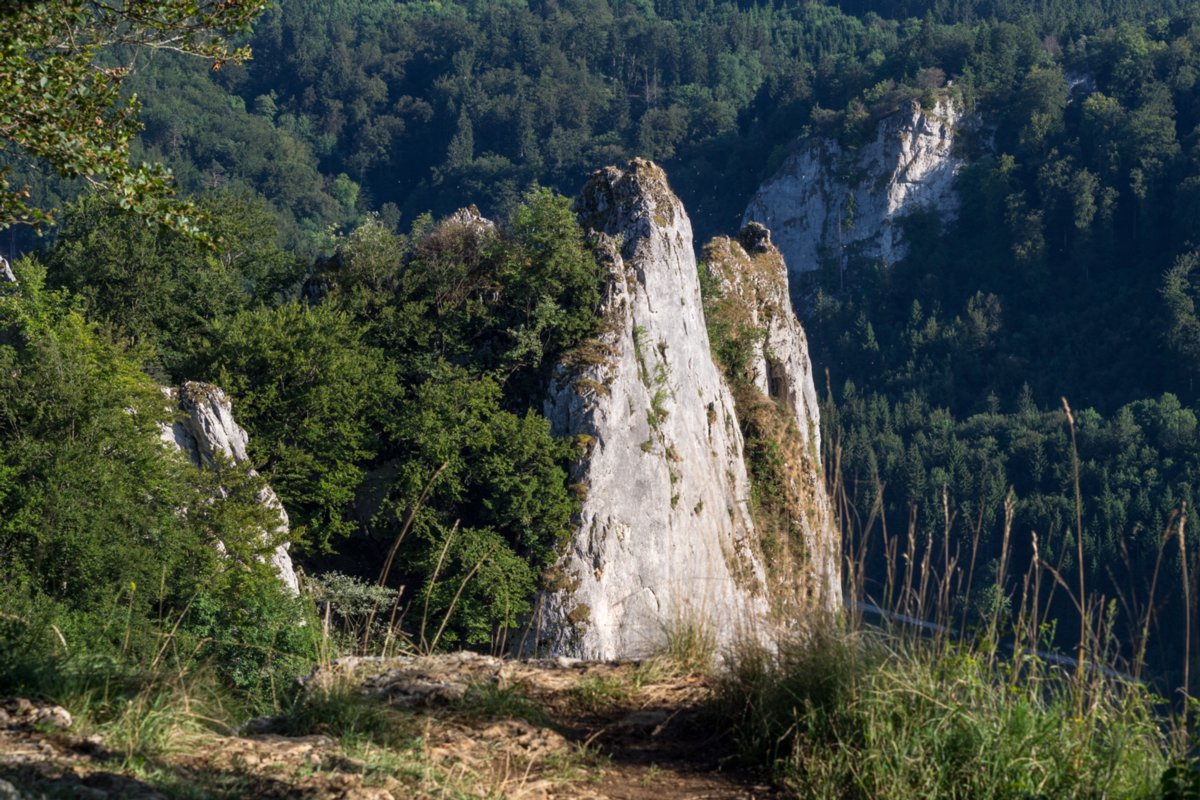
[943, 683]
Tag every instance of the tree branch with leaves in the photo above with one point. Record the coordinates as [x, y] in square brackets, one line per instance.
[62, 65]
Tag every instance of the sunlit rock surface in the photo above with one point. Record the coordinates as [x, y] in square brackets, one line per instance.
[205, 431]
[828, 204]
[665, 542]
[750, 292]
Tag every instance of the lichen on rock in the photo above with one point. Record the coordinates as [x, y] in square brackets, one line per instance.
[764, 352]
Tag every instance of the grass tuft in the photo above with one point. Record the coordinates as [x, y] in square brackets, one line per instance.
[689, 645]
[868, 717]
[598, 693]
[489, 701]
[342, 712]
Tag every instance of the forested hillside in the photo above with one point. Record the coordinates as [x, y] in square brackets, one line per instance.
[1069, 272]
[424, 104]
[1012, 407]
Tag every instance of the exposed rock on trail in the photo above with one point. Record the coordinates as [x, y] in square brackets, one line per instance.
[527, 730]
[644, 720]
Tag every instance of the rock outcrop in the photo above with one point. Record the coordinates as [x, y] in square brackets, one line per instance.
[776, 404]
[666, 541]
[828, 204]
[206, 432]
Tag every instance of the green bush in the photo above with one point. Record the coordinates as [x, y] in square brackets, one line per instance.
[109, 538]
[165, 290]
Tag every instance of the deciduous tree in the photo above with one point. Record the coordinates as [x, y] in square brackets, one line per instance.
[62, 65]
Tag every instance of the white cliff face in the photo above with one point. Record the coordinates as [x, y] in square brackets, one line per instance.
[751, 294]
[206, 432]
[829, 205]
[665, 540]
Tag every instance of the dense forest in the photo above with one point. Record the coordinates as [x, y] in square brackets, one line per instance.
[1069, 272]
[374, 252]
[388, 362]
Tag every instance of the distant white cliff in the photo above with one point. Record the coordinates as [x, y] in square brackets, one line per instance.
[829, 204]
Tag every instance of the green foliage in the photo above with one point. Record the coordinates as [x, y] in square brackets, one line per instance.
[488, 701]
[165, 290]
[1069, 272]
[61, 71]
[689, 645]
[404, 405]
[394, 406]
[96, 510]
[1183, 326]
[551, 279]
[497, 507]
[430, 106]
[351, 604]
[212, 143]
[258, 640]
[434, 105]
[142, 713]
[344, 712]
[598, 693]
[856, 719]
[1137, 468]
[314, 396]
[108, 541]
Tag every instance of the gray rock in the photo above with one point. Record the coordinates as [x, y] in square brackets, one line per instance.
[259, 726]
[205, 431]
[414, 692]
[54, 716]
[20, 713]
[654, 718]
[471, 219]
[833, 203]
[750, 277]
[6, 273]
[664, 540]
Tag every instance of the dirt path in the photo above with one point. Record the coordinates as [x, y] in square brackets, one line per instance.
[459, 725]
[661, 745]
[682, 759]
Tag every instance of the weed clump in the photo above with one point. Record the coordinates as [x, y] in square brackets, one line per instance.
[868, 716]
